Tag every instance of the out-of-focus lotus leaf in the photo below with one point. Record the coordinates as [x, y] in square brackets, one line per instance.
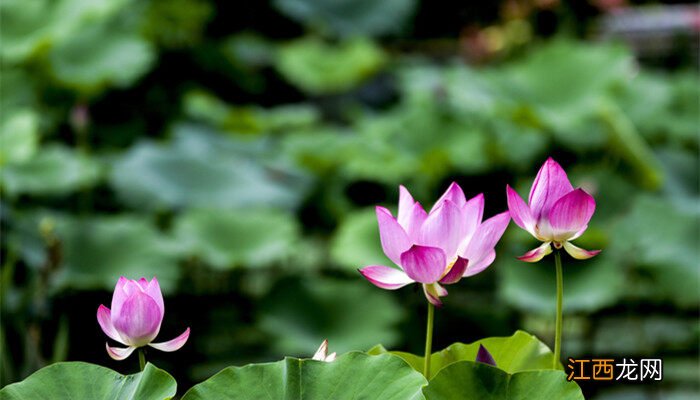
[32, 26]
[97, 251]
[588, 285]
[230, 238]
[660, 238]
[19, 137]
[356, 242]
[530, 144]
[99, 57]
[17, 90]
[200, 168]
[320, 150]
[519, 352]
[421, 137]
[351, 376]
[80, 380]
[319, 68]
[470, 380]
[53, 170]
[248, 50]
[564, 83]
[176, 23]
[351, 315]
[350, 17]
[249, 119]
[654, 334]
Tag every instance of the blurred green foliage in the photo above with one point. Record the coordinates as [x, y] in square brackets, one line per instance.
[240, 167]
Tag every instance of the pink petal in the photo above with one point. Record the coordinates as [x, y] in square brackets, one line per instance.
[174, 344]
[486, 237]
[454, 194]
[550, 185]
[119, 296]
[433, 292]
[393, 237]
[423, 264]
[406, 203]
[472, 212]
[414, 221]
[444, 228]
[385, 277]
[519, 211]
[131, 286]
[143, 284]
[153, 290]
[570, 214]
[536, 254]
[139, 320]
[480, 265]
[119, 353]
[104, 318]
[456, 271]
[579, 253]
[579, 233]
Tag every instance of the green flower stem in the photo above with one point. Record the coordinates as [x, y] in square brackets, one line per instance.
[428, 340]
[142, 358]
[560, 296]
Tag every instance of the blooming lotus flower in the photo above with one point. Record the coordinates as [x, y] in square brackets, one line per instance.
[436, 248]
[322, 353]
[135, 318]
[556, 214]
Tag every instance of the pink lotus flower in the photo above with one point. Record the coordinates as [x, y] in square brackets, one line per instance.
[557, 213]
[135, 318]
[435, 248]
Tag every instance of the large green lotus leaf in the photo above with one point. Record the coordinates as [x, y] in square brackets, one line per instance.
[202, 168]
[351, 376]
[659, 237]
[350, 17]
[230, 238]
[351, 315]
[467, 380]
[99, 57]
[356, 242]
[588, 285]
[318, 68]
[80, 380]
[98, 250]
[519, 352]
[19, 137]
[53, 170]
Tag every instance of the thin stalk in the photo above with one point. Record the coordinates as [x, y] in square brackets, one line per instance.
[142, 359]
[428, 340]
[560, 297]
